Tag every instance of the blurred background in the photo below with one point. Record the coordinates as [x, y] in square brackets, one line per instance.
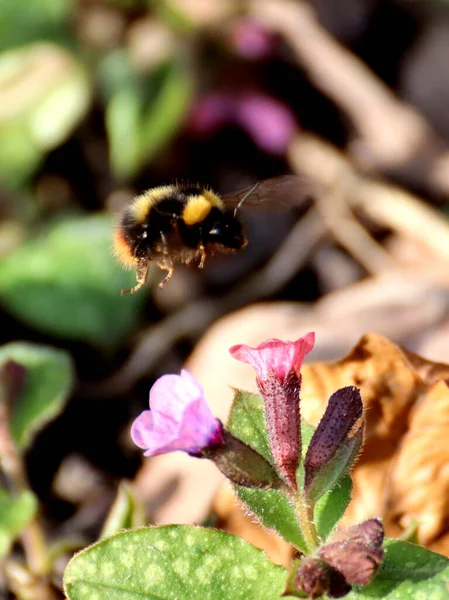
[102, 99]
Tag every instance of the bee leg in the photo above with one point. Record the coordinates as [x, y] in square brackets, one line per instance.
[170, 270]
[141, 276]
[164, 244]
[203, 255]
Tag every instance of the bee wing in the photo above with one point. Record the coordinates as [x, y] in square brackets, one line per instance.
[277, 193]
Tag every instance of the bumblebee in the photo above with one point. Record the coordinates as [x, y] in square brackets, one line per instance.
[184, 223]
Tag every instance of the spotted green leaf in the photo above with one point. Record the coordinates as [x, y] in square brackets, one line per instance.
[173, 562]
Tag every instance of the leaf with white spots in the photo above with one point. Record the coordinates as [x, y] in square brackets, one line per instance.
[408, 572]
[173, 562]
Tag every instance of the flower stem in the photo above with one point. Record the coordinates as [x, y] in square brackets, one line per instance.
[305, 517]
[10, 459]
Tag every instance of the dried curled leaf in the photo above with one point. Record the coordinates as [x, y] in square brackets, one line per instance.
[388, 385]
[419, 487]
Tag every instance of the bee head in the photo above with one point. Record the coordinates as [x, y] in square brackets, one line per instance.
[227, 231]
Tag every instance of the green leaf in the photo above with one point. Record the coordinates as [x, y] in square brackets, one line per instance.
[15, 513]
[68, 284]
[173, 562]
[24, 21]
[141, 117]
[331, 506]
[39, 120]
[247, 422]
[123, 124]
[408, 572]
[168, 109]
[126, 512]
[48, 381]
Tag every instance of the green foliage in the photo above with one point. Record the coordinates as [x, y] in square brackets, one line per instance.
[36, 118]
[48, 381]
[15, 513]
[142, 116]
[408, 573]
[68, 283]
[331, 506]
[126, 512]
[23, 21]
[173, 562]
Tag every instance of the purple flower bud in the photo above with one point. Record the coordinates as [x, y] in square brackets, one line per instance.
[356, 552]
[179, 418]
[278, 365]
[315, 578]
[210, 113]
[335, 443]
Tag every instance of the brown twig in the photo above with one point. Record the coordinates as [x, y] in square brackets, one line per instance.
[390, 134]
[348, 231]
[387, 205]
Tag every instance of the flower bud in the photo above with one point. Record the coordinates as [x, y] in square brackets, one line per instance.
[277, 365]
[241, 464]
[357, 552]
[315, 577]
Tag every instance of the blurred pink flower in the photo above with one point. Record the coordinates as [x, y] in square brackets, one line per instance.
[210, 112]
[179, 418]
[275, 356]
[270, 123]
[277, 365]
[252, 39]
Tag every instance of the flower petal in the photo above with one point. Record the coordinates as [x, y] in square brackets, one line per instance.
[179, 419]
[275, 355]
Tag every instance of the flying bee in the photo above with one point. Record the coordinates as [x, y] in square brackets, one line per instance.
[185, 223]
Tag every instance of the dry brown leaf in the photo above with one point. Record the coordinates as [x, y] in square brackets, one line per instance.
[419, 487]
[388, 384]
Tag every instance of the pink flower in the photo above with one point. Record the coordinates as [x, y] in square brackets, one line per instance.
[252, 39]
[179, 419]
[277, 365]
[275, 356]
[269, 122]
